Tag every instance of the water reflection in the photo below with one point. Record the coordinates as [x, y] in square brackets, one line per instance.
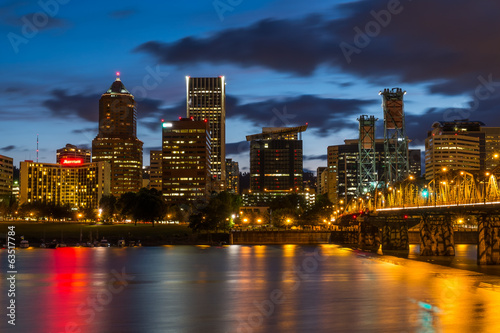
[254, 289]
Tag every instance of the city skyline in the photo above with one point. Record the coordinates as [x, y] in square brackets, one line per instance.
[285, 64]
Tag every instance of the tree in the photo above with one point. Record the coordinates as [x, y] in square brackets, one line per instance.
[320, 211]
[108, 206]
[126, 205]
[217, 213]
[149, 206]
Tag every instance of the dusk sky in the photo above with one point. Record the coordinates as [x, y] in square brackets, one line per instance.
[286, 62]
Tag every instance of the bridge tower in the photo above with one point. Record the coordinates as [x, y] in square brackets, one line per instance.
[367, 172]
[395, 141]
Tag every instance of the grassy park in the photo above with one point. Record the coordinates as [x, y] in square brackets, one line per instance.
[73, 233]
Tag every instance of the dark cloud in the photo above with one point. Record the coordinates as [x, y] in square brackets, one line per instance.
[283, 45]
[8, 148]
[39, 20]
[315, 157]
[85, 130]
[63, 104]
[236, 148]
[447, 44]
[11, 90]
[324, 115]
[417, 126]
[124, 13]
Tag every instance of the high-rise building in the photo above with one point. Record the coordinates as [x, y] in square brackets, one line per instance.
[491, 147]
[155, 171]
[455, 145]
[72, 152]
[117, 141]
[232, 176]
[206, 99]
[276, 159]
[186, 171]
[321, 180]
[81, 185]
[6, 174]
[343, 169]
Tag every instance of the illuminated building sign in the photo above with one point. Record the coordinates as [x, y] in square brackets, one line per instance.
[71, 161]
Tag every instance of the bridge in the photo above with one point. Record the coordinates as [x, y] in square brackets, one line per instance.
[436, 208]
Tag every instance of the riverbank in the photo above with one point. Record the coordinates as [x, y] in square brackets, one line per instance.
[78, 233]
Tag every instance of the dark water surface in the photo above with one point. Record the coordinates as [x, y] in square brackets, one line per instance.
[247, 289]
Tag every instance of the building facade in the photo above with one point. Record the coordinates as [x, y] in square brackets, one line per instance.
[321, 180]
[117, 141]
[72, 152]
[276, 160]
[155, 169]
[80, 185]
[6, 175]
[343, 179]
[186, 164]
[454, 146]
[206, 99]
[232, 176]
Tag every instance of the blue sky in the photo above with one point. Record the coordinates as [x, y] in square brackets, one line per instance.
[285, 64]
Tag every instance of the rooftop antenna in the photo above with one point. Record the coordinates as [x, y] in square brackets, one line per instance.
[37, 148]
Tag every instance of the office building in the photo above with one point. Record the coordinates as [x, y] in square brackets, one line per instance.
[72, 152]
[155, 170]
[186, 167]
[232, 176]
[276, 159]
[117, 141]
[6, 175]
[454, 146]
[342, 177]
[491, 147]
[80, 185]
[321, 180]
[206, 99]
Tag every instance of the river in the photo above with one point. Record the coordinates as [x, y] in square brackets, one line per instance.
[289, 288]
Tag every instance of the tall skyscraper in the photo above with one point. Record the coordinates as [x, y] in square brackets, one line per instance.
[186, 175]
[72, 152]
[276, 160]
[117, 141]
[206, 99]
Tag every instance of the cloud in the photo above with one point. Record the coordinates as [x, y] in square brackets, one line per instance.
[417, 43]
[323, 115]
[61, 104]
[64, 104]
[39, 20]
[123, 13]
[315, 157]
[85, 130]
[236, 148]
[8, 148]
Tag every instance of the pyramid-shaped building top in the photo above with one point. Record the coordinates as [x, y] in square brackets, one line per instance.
[118, 88]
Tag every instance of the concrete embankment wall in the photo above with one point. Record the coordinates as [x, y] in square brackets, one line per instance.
[281, 237]
[460, 237]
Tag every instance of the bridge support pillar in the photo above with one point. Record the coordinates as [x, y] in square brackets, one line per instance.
[369, 236]
[488, 248]
[395, 236]
[436, 236]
